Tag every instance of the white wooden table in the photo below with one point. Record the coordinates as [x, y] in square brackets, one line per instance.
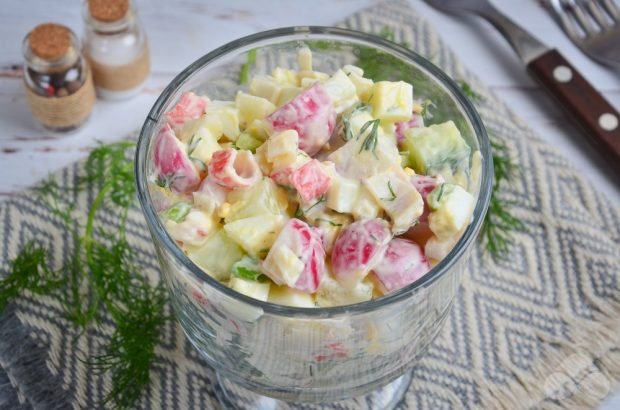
[180, 31]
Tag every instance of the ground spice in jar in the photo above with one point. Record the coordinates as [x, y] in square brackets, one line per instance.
[116, 47]
[57, 79]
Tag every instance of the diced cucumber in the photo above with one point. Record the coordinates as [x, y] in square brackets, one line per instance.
[431, 148]
[217, 255]
[263, 198]
[247, 141]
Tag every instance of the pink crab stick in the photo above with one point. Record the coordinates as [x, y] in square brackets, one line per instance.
[310, 180]
[189, 107]
[416, 121]
[358, 248]
[297, 257]
[403, 263]
[311, 114]
[173, 167]
[233, 168]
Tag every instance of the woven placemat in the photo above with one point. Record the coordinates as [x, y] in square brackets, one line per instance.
[539, 330]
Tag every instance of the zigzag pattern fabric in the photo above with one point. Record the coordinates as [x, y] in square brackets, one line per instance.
[538, 330]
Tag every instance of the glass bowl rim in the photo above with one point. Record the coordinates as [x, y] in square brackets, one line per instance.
[336, 34]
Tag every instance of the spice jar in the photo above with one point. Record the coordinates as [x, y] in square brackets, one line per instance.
[116, 48]
[57, 79]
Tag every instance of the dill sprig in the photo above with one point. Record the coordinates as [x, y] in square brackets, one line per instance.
[102, 276]
[499, 223]
[370, 142]
[29, 271]
[469, 91]
[244, 75]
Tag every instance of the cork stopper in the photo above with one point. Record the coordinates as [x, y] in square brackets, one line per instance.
[49, 41]
[108, 11]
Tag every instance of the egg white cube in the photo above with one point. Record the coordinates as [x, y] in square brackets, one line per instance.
[266, 87]
[342, 193]
[285, 77]
[398, 198]
[365, 206]
[284, 265]
[333, 293]
[255, 234]
[251, 288]
[392, 100]
[252, 107]
[304, 59]
[283, 295]
[341, 91]
[282, 148]
[453, 213]
[287, 94]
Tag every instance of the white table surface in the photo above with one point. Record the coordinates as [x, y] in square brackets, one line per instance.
[180, 31]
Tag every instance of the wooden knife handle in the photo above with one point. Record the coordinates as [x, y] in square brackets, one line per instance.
[599, 120]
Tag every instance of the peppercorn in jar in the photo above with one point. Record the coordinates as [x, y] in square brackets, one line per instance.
[57, 78]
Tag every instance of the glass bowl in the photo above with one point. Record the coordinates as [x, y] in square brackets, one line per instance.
[265, 354]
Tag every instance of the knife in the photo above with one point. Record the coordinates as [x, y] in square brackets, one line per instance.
[593, 113]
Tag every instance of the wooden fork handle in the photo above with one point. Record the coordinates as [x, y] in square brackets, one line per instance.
[599, 120]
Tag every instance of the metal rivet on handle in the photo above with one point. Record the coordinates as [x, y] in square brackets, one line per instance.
[562, 74]
[608, 122]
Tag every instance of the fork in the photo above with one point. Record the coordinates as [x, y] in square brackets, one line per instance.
[593, 25]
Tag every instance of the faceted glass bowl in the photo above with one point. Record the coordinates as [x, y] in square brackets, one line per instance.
[303, 354]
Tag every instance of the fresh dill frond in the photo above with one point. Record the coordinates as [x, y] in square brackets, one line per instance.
[426, 112]
[370, 142]
[469, 91]
[131, 350]
[244, 75]
[332, 223]
[392, 193]
[499, 222]
[320, 200]
[29, 271]
[101, 275]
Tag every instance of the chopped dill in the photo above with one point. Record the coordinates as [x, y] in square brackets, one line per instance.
[469, 91]
[392, 193]
[370, 142]
[499, 222]
[321, 199]
[244, 75]
[332, 223]
[426, 112]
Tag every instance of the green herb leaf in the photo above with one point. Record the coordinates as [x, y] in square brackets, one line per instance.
[469, 91]
[248, 269]
[370, 142]
[499, 222]
[101, 274]
[332, 223]
[28, 272]
[244, 75]
[193, 143]
[392, 193]
[321, 199]
[177, 212]
[426, 105]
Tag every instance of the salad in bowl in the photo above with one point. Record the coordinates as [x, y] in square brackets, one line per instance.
[312, 220]
[313, 189]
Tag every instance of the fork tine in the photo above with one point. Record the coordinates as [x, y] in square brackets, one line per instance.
[568, 23]
[575, 9]
[611, 8]
[597, 12]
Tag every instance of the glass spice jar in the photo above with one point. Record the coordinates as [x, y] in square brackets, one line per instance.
[116, 48]
[58, 82]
